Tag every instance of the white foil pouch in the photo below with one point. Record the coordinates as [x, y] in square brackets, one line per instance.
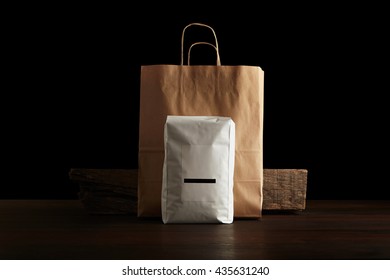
[198, 170]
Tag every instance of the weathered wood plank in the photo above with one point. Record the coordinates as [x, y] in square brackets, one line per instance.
[284, 189]
[114, 191]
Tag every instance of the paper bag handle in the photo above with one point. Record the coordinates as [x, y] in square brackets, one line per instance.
[202, 43]
[215, 37]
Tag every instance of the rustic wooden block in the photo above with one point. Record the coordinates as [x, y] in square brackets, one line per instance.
[284, 189]
[107, 191]
[114, 191]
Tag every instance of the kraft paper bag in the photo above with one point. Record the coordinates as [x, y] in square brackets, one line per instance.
[198, 170]
[202, 90]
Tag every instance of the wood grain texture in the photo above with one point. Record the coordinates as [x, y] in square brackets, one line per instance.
[114, 191]
[107, 191]
[63, 229]
[284, 189]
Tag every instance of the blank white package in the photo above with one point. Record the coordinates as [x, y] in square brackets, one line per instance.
[198, 170]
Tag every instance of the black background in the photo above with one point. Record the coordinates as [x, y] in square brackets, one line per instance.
[71, 88]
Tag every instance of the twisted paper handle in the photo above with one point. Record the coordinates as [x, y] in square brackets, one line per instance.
[215, 46]
[201, 43]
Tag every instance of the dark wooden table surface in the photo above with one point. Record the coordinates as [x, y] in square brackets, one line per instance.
[62, 229]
